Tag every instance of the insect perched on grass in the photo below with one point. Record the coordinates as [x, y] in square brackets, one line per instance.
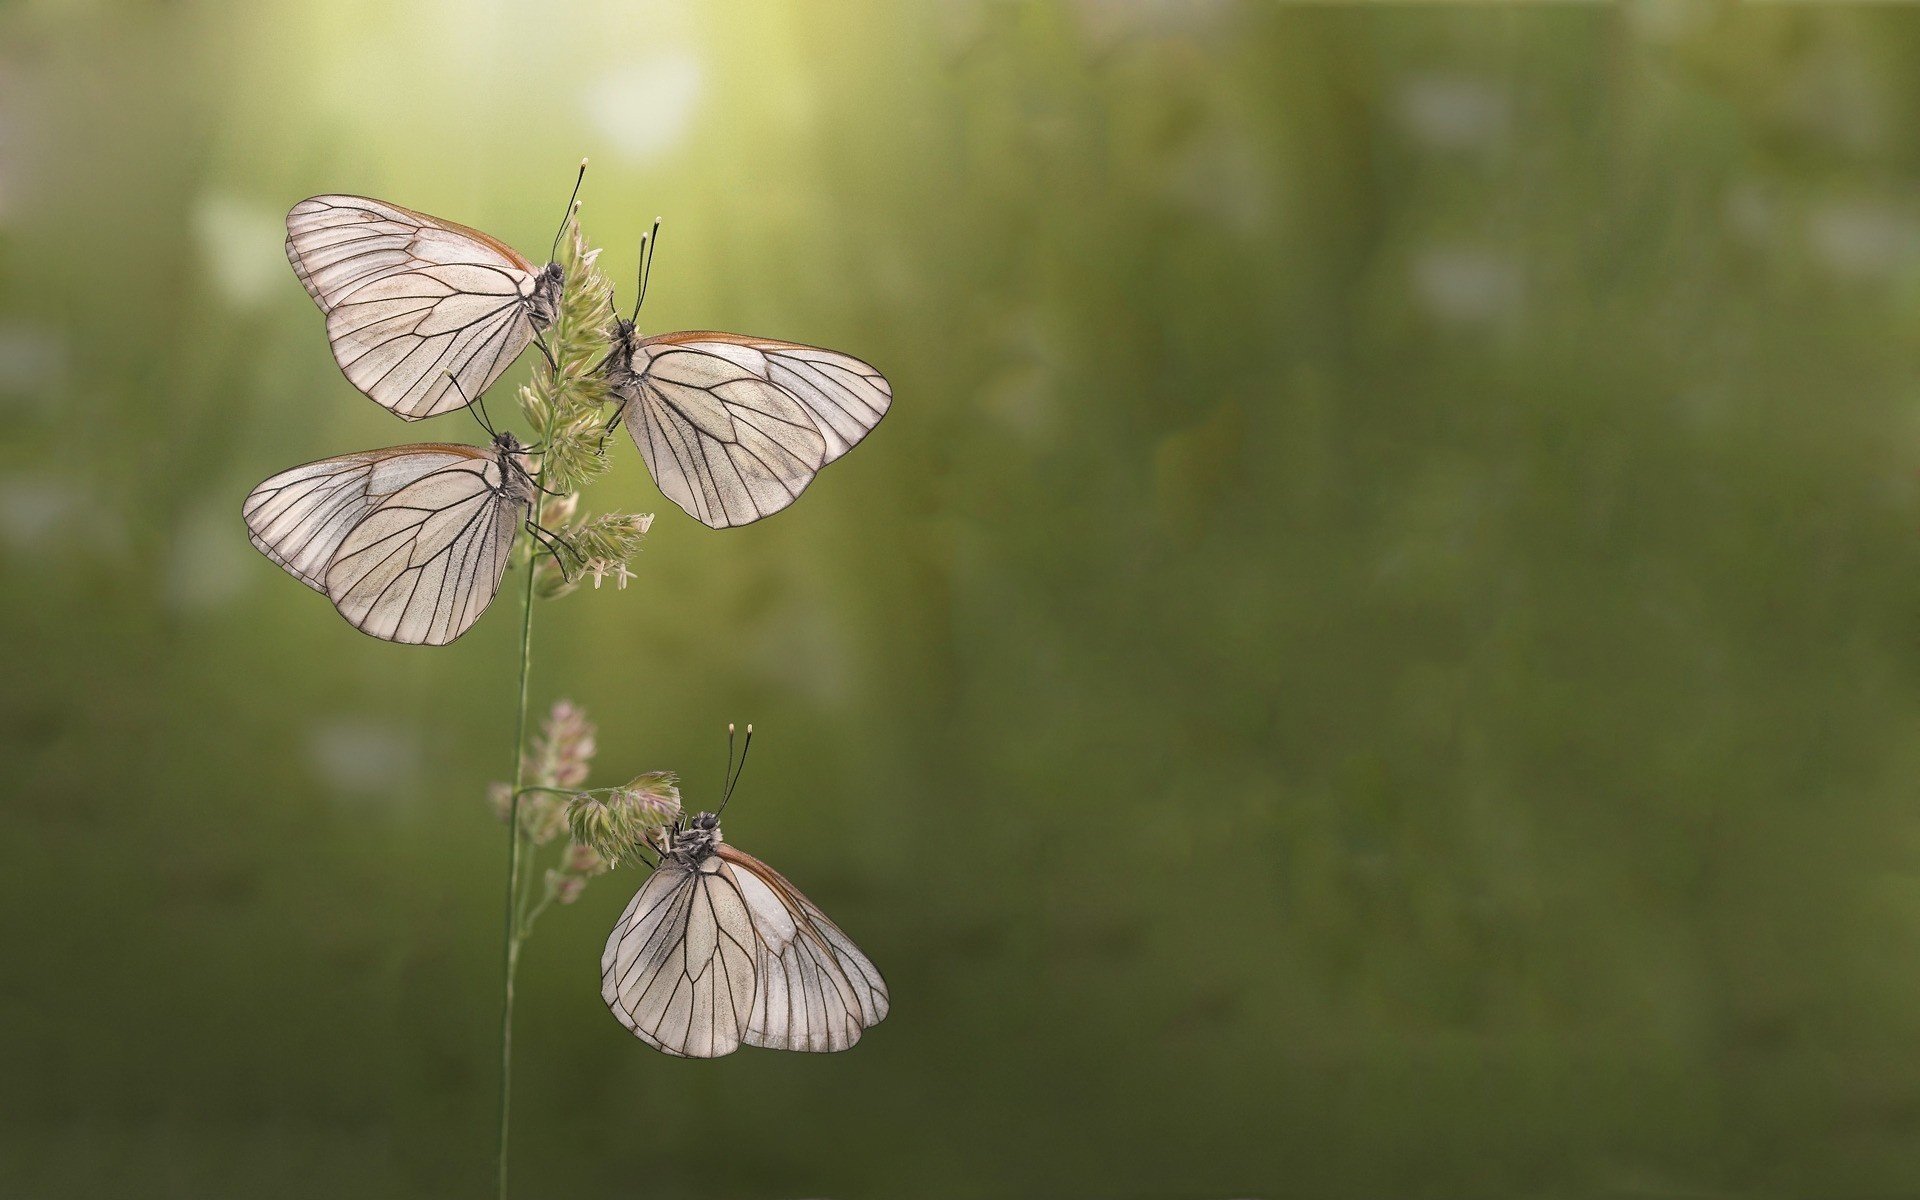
[717, 949]
[421, 313]
[409, 542]
[734, 428]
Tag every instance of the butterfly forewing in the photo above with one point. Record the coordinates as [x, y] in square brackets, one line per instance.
[735, 428]
[409, 543]
[411, 299]
[678, 970]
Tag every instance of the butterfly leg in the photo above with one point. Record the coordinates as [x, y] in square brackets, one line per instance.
[546, 537]
[549, 541]
[560, 566]
[537, 484]
[613, 421]
[478, 411]
[542, 343]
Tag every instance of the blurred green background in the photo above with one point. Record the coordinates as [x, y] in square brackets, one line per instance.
[1375, 654]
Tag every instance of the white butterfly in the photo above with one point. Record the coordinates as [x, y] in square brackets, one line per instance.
[734, 428]
[409, 542]
[422, 313]
[718, 949]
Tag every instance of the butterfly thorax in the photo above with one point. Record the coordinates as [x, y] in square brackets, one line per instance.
[516, 479]
[695, 842]
[626, 348]
[543, 298]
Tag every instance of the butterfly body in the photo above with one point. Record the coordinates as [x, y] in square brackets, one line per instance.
[718, 950]
[734, 428]
[542, 294]
[409, 542]
[422, 313]
[693, 845]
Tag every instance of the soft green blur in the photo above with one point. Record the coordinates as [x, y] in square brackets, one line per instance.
[1377, 653]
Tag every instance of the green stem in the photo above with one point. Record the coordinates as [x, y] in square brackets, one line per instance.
[533, 914]
[510, 938]
[524, 892]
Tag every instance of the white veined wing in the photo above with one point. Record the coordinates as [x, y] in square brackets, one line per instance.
[816, 991]
[727, 953]
[735, 428]
[409, 543]
[419, 310]
[678, 970]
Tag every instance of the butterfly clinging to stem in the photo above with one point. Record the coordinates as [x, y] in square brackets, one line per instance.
[421, 312]
[717, 950]
[409, 542]
[734, 428]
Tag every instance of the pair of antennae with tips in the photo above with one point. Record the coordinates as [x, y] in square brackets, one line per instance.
[648, 241]
[733, 770]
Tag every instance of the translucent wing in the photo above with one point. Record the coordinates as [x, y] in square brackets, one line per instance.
[411, 299]
[427, 560]
[299, 517]
[734, 428]
[678, 968]
[816, 990]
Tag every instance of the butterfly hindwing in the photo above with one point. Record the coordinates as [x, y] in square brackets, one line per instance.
[816, 990]
[735, 428]
[423, 566]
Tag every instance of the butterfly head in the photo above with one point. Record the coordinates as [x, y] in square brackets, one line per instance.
[696, 840]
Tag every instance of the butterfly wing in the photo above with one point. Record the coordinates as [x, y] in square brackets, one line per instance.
[735, 428]
[678, 969]
[411, 299]
[299, 517]
[425, 562]
[816, 991]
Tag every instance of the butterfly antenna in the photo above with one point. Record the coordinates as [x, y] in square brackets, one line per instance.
[640, 275]
[552, 362]
[553, 254]
[478, 411]
[648, 241]
[726, 776]
[744, 747]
